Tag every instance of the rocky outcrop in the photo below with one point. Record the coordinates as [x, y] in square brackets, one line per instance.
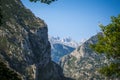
[24, 45]
[83, 63]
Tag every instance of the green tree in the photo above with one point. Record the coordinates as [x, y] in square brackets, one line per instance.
[109, 44]
[7, 73]
[44, 1]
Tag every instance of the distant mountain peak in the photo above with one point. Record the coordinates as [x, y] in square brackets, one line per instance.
[65, 41]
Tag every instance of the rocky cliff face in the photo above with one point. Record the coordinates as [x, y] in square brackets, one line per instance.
[83, 63]
[24, 45]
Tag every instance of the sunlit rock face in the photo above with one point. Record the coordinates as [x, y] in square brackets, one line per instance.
[83, 63]
[24, 45]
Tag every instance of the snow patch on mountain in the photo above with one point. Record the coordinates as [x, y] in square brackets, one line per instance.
[68, 41]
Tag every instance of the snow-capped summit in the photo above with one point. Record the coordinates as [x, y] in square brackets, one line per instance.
[65, 41]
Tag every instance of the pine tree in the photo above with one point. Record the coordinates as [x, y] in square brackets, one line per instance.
[109, 44]
[44, 1]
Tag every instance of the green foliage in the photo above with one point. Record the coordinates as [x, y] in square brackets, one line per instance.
[109, 44]
[44, 1]
[7, 73]
[110, 70]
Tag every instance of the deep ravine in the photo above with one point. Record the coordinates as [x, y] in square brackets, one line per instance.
[25, 51]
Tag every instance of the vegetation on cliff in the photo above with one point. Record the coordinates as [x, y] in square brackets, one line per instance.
[109, 44]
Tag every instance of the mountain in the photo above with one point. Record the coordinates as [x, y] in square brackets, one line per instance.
[61, 47]
[65, 41]
[25, 52]
[83, 63]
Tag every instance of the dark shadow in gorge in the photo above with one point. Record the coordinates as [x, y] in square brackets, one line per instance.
[53, 67]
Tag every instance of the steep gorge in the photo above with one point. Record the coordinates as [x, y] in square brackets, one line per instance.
[24, 47]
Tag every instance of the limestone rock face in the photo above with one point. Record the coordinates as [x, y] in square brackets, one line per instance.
[83, 63]
[24, 45]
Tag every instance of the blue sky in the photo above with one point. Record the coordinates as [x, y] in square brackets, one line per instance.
[77, 19]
